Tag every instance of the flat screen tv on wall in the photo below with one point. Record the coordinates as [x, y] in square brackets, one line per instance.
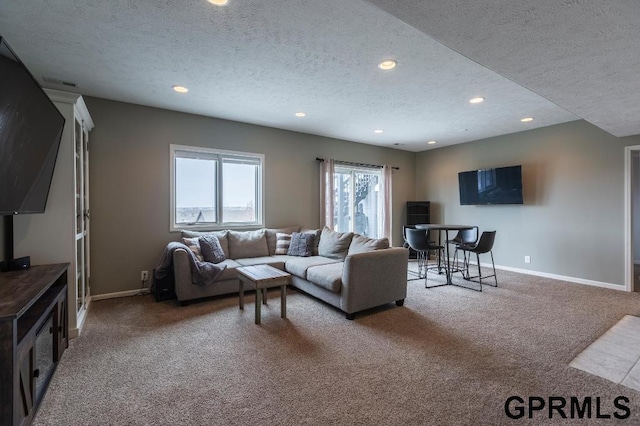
[502, 185]
[30, 131]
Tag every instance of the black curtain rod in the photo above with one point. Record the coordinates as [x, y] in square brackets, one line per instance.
[356, 164]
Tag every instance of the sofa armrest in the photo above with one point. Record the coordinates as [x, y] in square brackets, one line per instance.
[182, 272]
[374, 278]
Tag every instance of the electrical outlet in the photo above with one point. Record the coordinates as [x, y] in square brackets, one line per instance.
[527, 259]
[144, 275]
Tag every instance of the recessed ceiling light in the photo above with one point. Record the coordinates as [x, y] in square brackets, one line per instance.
[300, 114]
[378, 131]
[526, 119]
[476, 100]
[218, 2]
[431, 142]
[180, 89]
[387, 64]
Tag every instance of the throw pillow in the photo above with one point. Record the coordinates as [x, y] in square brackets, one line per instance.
[360, 244]
[211, 249]
[301, 245]
[247, 244]
[316, 238]
[334, 245]
[283, 241]
[271, 236]
[220, 235]
[194, 246]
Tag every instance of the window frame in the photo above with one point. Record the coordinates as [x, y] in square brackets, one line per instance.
[220, 155]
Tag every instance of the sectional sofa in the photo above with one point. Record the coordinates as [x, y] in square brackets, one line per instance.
[345, 270]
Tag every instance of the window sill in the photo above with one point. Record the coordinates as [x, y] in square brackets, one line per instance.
[207, 228]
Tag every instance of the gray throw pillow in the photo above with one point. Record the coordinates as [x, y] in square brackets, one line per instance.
[316, 238]
[334, 245]
[211, 249]
[220, 235]
[301, 245]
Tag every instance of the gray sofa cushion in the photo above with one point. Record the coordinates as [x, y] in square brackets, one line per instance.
[276, 261]
[271, 236]
[247, 244]
[298, 265]
[327, 276]
[230, 272]
[360, 244]
[220, 235]
[334, 245]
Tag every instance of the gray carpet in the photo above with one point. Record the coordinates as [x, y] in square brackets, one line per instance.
[448, 356]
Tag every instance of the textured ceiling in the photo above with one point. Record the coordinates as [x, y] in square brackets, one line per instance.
[583, 55]
[261, 61]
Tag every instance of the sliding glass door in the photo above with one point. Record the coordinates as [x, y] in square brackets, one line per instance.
[357, 200]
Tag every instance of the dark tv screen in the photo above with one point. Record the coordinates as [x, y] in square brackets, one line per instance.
[30, 131]
[502, 185]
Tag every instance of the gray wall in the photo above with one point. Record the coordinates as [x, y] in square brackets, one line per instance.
[571, 222]
[129, 168]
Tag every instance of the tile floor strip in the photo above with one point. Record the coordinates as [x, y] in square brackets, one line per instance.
[615, 355]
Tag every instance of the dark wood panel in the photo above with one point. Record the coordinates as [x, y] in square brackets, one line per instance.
[8, 358]
[28, 299]
[20, 289]
[33, 318]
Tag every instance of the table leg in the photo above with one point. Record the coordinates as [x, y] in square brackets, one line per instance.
[241, 293]
[447, 261]
[264, 296]
[283, 301]
[258, 303]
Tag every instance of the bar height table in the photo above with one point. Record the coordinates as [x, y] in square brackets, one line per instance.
[446, 228]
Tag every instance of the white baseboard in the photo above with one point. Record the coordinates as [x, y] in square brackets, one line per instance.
[557, 277]
[576, 280]
[127, 293]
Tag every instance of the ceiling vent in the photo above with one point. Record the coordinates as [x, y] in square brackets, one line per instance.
[59, 82]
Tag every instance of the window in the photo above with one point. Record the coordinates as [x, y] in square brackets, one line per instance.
[358, 203]
[211, 188]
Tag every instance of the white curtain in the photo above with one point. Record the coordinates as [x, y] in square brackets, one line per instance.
[327, 169]
[387, 205]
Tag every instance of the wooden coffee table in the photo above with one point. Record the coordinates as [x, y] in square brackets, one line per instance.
[264, 277]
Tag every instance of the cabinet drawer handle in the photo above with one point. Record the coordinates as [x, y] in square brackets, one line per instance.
[36, 372]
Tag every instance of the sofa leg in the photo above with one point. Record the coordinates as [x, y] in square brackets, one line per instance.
[400, 302]
[184, 302]
[350, 317]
